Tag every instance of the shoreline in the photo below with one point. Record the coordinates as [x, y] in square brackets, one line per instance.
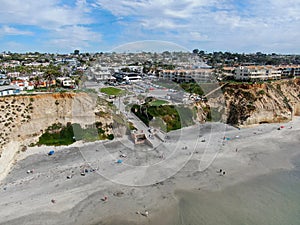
[261, 150]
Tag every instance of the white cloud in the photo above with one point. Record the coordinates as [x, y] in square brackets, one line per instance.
[149, 46]
[45, 14]
[161, 24]
[74, 37]
[8, 30]
[153, 13]
[233, 25]
[65, 27]
[226, 24]
[197, 36]
[179, 16]
[287, 10]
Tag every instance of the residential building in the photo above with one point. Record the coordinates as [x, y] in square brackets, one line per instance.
[127, 77]
[288, 71]
[66, 82]
[183, 75]
[23, 84]
[45, 84]
[9, 90]
[102, 74]
[4, 82]
[256, 73]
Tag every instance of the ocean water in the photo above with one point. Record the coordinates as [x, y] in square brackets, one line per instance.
[272, 199]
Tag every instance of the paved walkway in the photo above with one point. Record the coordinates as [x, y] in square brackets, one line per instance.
[141, 127]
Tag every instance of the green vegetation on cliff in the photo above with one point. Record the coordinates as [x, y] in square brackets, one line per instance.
[193, 88]
[174, 117]
[58, 134]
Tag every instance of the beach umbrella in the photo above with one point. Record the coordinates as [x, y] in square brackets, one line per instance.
[119, 161]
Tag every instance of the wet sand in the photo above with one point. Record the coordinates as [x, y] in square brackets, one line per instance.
[272, 198]
[146, 180]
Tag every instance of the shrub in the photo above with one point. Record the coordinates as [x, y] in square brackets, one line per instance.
[248, 95]
[261, 92]
[110, 137]
[174, 117]
[131, 126]
[192, 88]
[64, 135]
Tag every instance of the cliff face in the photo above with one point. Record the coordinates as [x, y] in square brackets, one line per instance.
[24, 118]
[247, 104]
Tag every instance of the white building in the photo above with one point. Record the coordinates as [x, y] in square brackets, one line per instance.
[23, 84]
[9, 90]
[183, 75]
[127, 77]
[256, 73]
[66, 82]
[288, 71]
[103, 74]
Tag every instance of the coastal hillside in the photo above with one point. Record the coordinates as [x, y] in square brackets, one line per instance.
[245, 104]
[24, 119]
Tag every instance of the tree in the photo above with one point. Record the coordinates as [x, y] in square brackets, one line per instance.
[196, 51]
[126, 70]
[76, 52]
[201, 53]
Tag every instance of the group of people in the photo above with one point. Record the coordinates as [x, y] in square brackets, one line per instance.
[222, 172]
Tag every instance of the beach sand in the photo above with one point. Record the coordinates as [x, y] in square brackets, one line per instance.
[146, 180]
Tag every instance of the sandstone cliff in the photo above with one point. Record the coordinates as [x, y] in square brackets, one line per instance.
[24, 118]
[248, 104]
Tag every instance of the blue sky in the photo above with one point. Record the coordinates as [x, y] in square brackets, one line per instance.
[60, 26]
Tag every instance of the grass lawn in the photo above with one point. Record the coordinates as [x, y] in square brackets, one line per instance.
[112, 91]
[158, 102]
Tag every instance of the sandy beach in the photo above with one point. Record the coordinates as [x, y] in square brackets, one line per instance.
[84, 184]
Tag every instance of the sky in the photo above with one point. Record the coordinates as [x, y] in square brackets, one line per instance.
[61, 26]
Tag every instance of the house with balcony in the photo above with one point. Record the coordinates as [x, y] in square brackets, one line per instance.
[289, 71]
[102, 74]
[256, 73]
